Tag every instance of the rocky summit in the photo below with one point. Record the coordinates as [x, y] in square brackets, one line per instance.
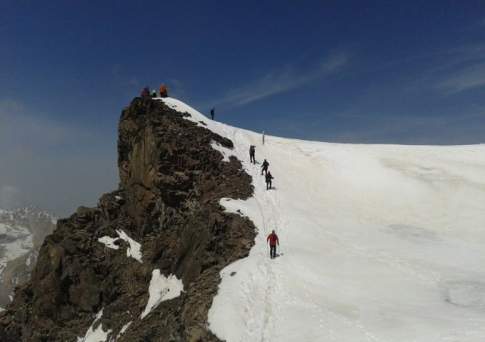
[95, 273]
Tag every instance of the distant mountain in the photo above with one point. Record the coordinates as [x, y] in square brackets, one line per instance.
[22, 232]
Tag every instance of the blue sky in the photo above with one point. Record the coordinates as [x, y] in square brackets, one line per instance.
[345, 71]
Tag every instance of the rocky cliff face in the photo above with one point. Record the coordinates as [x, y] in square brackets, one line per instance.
[171, 181]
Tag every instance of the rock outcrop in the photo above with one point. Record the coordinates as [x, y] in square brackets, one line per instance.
[171, 181]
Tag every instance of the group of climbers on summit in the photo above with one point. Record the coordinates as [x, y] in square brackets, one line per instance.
[162, 92]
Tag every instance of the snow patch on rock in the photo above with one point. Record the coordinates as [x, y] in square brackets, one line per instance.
[133, 250]
[161, 289]
[95, 332]
[226, 153]
[123, 329]
[181, 107]
[109, 242]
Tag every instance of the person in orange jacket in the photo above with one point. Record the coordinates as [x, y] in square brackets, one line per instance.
[163, 91]
[273, 241]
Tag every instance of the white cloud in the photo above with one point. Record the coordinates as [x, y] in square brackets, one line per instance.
[18, 128]
[285, 79]
[465, 79]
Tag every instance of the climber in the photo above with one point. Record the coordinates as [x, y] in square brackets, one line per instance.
[154, 93]
[273, 241]
[269, 178]
[213, 112]
[252, 152]
[145, 92]
[264, 167]
[163, 91]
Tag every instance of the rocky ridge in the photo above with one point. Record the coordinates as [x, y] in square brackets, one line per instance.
[171, 182]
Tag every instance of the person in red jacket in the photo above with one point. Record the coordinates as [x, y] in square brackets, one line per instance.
[273, 241]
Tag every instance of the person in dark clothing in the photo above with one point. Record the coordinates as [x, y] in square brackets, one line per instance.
[264, 167]
[269, 178]
[252, 152]
[213, 112]
[145, 92]
[273, 241]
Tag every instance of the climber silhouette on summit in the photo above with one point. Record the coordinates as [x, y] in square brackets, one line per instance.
[213, 113]
[273, 240]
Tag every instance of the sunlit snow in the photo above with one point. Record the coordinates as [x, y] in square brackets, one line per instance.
[226, 153]
[109, 242]
[162, 288]
[95, 332]
[378, 243]
[124, 328]
[133, 250]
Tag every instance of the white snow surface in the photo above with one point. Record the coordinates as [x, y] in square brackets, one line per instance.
[95, 332]
[161, 288]
[123, 329]
[378, 243]
[226, 153]
[133, 250]
[109, 242]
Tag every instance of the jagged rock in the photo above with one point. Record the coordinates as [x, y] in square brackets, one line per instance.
[171, 181]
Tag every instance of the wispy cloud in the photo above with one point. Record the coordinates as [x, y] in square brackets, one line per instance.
[52, 164]
[284, 79]
[467, 78]
[36, 131]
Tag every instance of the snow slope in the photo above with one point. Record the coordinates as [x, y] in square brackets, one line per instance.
[378, 243]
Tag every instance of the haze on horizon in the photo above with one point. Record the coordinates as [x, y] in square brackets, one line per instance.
[353, 72]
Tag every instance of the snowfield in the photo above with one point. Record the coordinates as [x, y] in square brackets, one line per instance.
[378, 243]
